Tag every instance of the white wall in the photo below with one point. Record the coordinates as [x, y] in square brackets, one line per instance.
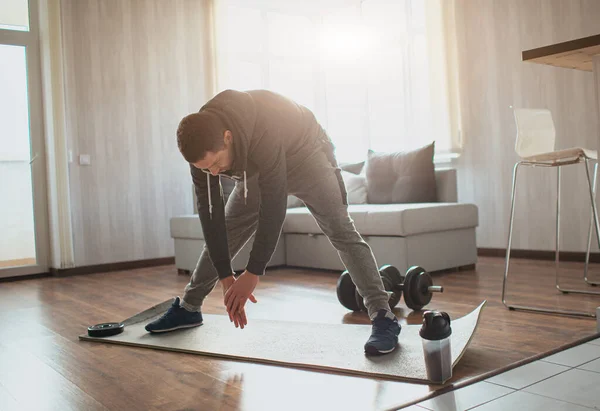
[133, 70]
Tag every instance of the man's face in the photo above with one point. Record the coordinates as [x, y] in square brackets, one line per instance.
[216, 162]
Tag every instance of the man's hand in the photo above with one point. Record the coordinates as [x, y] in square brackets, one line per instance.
[236, 293]
[227, 282]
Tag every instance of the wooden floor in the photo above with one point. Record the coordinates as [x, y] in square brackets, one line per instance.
[43, 365]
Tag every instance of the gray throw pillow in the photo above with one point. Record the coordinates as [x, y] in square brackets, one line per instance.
[401, 177]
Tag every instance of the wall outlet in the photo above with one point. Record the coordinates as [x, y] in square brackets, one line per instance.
[84, 160]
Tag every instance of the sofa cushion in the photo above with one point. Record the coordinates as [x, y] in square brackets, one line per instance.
[356, 187]
[354, 168]
[186, 226]
[369, 219]
[401, 177]
[393, 219]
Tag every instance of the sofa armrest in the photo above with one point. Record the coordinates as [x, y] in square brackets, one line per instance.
[445, 179]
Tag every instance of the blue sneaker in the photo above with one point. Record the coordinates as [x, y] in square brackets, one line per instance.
[384, 335]
[176, 317]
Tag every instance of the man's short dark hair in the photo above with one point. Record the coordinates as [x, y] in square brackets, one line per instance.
[199, 133]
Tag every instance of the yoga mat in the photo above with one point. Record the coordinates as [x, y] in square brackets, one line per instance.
[330, 347]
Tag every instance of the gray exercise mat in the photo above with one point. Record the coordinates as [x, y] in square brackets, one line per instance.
[332, 347]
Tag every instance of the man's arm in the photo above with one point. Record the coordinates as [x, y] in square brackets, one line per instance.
[213, 226]
[273, 204]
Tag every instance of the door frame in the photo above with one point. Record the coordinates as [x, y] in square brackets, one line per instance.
[31, 41]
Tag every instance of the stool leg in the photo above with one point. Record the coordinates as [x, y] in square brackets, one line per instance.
[540, 309]
[510, 231]
[557, 247]
[592, 198]
[589, 243]
[591, 191]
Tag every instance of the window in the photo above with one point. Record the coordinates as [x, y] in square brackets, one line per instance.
[369, 69]
[14, 15]
[23, 221]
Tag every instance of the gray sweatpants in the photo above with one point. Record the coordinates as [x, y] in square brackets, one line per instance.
[322, 190]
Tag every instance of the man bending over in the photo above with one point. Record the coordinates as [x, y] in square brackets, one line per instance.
[272, 147]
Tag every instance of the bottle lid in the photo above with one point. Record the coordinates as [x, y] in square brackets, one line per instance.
[436, 325]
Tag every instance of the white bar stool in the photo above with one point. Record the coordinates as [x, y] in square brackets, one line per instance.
[535, 146]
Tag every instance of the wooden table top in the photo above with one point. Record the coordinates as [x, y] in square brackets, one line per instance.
[575, 54]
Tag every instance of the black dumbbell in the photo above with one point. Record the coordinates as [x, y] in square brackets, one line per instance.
[391, 277]
[346, 291]
[349, 297]
[417, 287]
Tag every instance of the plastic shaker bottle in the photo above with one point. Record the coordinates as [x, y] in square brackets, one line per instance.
[435, 333]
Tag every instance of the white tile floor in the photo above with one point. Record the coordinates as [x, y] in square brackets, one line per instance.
[569, 380]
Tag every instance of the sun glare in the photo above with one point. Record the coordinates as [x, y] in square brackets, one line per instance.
[343, 42]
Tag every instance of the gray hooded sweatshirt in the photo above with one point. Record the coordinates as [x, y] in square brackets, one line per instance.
[272, 136]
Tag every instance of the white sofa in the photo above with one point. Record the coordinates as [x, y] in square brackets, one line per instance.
[436, 236]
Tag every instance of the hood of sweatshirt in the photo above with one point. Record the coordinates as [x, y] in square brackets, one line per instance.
[238, 112]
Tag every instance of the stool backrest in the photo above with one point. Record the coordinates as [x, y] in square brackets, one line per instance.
[535, 131]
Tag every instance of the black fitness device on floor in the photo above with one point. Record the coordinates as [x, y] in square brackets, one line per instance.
[417, 287]
[105, 329]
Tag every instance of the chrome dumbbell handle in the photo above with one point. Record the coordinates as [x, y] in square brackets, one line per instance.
[431, 289]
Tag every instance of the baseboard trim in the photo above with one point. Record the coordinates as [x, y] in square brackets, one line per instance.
[576, 256]
[155, 262]
[23, 277]
[120, 266]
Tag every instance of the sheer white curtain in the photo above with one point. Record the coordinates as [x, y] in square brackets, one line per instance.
[374, 72]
